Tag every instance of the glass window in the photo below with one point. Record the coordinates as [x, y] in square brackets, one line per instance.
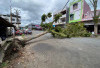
[13, 19]
[75, 6]
[71, 16]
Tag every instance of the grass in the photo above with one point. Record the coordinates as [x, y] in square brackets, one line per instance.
[4, 64]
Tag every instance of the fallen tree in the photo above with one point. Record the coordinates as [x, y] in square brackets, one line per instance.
[39, 35]
[71, 30]
[11, 46]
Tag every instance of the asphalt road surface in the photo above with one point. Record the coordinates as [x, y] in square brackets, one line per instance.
[47, 52]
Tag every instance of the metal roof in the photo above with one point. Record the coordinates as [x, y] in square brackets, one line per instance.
[5, 23]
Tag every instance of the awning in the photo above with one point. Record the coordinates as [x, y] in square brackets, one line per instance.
[5, 23]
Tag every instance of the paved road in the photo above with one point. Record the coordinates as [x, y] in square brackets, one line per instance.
[62, 53]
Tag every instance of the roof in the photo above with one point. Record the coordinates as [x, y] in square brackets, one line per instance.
[13, 15]
[5, 23]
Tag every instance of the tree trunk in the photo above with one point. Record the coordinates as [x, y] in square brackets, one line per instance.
[95, 20]
[95, 28]
[37, 36]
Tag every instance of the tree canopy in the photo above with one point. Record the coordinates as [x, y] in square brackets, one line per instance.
[57, 16]
[44, 17]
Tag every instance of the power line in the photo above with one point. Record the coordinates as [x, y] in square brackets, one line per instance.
[66, 4]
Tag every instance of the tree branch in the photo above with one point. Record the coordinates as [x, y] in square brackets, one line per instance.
[92, 2]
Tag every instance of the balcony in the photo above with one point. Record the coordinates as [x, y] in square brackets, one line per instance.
[63, 16]
[59, 23]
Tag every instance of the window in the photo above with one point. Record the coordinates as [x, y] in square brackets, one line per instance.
[63, 19]
[13, 19]
[71, 16]
[75, 6]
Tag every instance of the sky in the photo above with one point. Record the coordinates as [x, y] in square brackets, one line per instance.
[32, 10]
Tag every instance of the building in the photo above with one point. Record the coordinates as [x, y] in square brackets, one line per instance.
[4, 28]
[79, 11]
[34, 26]
[16, 20]
[31, 26]
[62, 20]
[21, 28]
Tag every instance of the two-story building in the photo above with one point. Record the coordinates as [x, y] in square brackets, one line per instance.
[79, 11]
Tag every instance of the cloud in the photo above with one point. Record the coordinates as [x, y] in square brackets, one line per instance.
[32, 10]
[91, 4]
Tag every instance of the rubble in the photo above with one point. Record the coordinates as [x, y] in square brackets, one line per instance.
[9, 47]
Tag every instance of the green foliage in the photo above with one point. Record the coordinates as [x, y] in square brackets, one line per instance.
[58, 29]
[49, 15]
[47, 26]
[23, 35]
[72, 30]
[76, 30]
[44, 17]
[58, 34]
[96, 19]
[56, 18]
[4, 64]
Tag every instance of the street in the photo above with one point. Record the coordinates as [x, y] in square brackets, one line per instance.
[47, 52]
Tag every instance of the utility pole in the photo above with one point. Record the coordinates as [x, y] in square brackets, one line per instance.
[10, 16]
[17, 17]
[12, 32]
[66, 4]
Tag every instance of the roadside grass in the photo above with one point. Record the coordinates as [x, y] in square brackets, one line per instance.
[23, 36]
[4, 64]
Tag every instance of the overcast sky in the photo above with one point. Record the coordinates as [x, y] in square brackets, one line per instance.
[31, 10]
